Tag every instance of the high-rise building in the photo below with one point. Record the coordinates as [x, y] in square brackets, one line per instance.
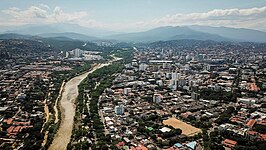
[77, 52]
[181, 82]
[119, 110]
[195, 96]
[127, 90]
[157, 98]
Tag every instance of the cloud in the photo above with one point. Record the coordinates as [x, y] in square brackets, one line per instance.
[31, 12]
[217, 17]
[247, 18]
[44, 6]
[41, 14]
[60, 16]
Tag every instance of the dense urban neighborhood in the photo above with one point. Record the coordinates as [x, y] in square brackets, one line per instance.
[175, 96]
[133, 75]
[184, 94]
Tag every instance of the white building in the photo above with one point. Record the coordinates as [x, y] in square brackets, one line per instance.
[77, 52]
[173, 84]
[127, 90]
[174, 75]
[246, 101]
[143, 67]
[159, 82]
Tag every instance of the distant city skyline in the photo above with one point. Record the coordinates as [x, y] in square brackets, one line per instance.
[137, 15]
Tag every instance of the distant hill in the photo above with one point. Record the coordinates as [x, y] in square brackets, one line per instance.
[23, 46]
[200, 36]
[194, 44]
[60, 43]
[71, 35]
[193, 32]
[185, 43]
[36, 29]
[165, 34]
[13, 36]
[61, 36]
[239, 34]
[66, 44]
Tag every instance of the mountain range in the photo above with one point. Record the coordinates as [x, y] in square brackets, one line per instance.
[36, 29]
[165, 33]
[71, 35]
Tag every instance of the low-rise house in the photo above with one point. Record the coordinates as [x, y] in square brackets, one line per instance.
[229, 143]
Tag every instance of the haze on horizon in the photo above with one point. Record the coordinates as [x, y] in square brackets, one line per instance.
[137, 15]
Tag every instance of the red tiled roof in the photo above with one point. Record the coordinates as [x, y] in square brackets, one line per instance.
[186, 114]
[120, 144]
[263, 136]
[141, 147]
[9, 121]
[228, 141]
[254, 87]
[132, 148]
[21, 123]
[250, 123]
[252, 132]
[16, 129]
[10, 129]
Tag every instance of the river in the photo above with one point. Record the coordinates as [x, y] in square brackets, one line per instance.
[67, 105]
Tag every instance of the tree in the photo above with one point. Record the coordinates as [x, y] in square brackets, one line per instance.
[260, 128]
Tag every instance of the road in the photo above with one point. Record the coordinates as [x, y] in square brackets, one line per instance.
[19, 110]
[46, 111]
[47, 114]
[56, 102]
[67, 105]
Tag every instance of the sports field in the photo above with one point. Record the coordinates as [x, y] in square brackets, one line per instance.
[187, 129]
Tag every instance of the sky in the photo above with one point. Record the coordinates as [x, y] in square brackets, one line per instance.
[135, 15]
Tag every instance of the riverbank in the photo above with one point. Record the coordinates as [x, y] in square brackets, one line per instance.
[67, 106]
